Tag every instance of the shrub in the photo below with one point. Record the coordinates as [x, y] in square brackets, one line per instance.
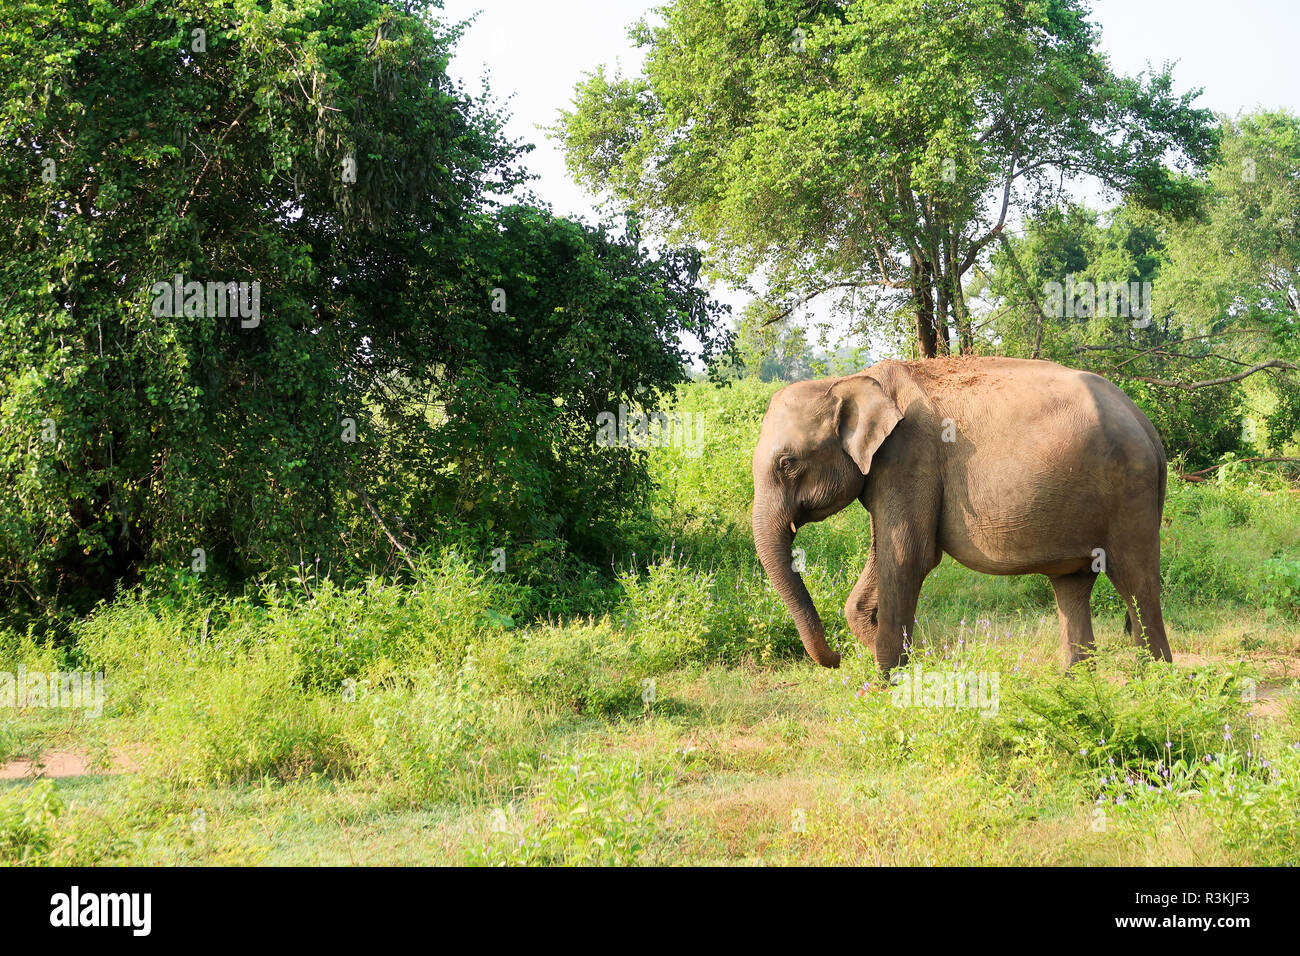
[245, 721]
[591, 668]
[1126, 712]
[669, 608]
[590, 810]
[1280, 585]
[432, 737]
[748, 618]
[345, 633]
[27, 819]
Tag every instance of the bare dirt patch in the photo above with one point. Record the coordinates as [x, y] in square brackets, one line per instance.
[1272, 695]
[70, 763]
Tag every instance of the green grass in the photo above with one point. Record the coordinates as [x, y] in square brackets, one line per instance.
[669, 716]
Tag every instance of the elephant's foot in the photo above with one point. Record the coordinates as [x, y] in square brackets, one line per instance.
[1077, 655]
[892, 653]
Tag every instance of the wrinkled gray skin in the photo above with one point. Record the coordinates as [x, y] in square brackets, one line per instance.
[1042, 466]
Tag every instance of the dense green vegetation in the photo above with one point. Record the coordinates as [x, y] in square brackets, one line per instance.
[877, 144]
[396, 570]
[407, 300]
[666, 714]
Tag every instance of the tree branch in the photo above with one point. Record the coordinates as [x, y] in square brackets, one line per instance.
[365, 500]
[1029, 293]
[1194, 475]
[996, 230]
[803, 300]
[1188, 386]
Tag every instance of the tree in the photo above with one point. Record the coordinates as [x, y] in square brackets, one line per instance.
[771, 351]
[1237, 270]
[555, 323]
[320, 156]
[875, 142]
[300, 148]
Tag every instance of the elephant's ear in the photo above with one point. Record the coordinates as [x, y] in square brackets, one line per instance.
[867, 415]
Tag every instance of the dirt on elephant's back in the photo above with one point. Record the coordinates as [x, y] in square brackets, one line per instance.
[952, 371]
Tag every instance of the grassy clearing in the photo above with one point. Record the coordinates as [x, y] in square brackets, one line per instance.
[671, 717]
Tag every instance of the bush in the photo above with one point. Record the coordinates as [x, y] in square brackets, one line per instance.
[669, 608]
[1280, 585]
[590, 810]
[27, 819]
[26, 648]
[591, 668]
[246, 721]
[1126, 712]
[348, 633]
[433, 737]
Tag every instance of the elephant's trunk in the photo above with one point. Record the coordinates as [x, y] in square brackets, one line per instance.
[773, 536]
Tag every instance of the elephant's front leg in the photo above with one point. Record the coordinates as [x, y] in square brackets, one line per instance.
[902, 562]
[861, 609]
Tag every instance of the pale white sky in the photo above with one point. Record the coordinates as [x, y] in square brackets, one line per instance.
[1243, 53]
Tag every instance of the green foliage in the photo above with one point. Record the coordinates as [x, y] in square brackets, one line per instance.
[322, 151]
[770, 350]
[1281, 584]
[1242, 260]
[1222, 539]
[368, 632]
[1148, 719]
[1252, 802]
[430, 737]
[244, 723]
[874, 141]
[173, 432]
[381, 628]
[595, 811]
[30, 650]
[669, 608]
[27, 824]
[590, 668]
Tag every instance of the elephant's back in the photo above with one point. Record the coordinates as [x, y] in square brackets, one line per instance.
[1026, 445]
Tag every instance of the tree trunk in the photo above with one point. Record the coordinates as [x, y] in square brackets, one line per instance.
[960, 314]
[923, 300]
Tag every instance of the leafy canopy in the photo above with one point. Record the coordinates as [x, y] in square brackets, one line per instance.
[875, 142]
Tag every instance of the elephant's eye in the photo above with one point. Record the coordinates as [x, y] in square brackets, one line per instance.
[786, 464]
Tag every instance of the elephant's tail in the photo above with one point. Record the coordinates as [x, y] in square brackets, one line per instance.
[1162, 462]
[1164, 473]
[1163, 480]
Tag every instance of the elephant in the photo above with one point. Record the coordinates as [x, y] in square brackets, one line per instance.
[1010, 466]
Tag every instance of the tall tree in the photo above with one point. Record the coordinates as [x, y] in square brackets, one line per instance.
[321, 151]
[883, 143]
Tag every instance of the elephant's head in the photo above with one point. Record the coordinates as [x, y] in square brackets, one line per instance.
[812, 460]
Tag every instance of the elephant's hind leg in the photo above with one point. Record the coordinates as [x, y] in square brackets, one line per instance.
[1139, 586]
[1073, 597]
[862, 608]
